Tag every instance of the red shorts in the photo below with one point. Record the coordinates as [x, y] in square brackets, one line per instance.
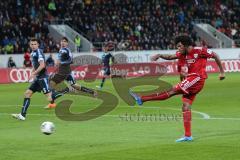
[190, 87]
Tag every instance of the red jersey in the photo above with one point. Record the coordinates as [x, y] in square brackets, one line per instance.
[196, 60]
[182, 67]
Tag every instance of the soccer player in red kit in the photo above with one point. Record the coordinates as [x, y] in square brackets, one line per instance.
[194, 59]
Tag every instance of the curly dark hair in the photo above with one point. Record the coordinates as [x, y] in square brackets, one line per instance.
[185, 40]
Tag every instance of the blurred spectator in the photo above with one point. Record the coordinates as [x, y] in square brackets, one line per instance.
[151, 24]
[52, 7]
[181, 17]
[77, 41]
[11, 63]
[27, 62]
[8, 49]
[50, 61]
[147, 24]
[20, 21]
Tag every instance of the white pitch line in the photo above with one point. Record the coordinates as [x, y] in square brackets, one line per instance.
[224, 118]
[117, 116]
[204, 116]
[34, 105]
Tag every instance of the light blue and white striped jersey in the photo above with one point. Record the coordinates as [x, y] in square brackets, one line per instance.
[65, 56]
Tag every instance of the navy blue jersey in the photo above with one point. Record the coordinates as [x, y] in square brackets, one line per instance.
[36, 57]
[106, 59]
[65, 56]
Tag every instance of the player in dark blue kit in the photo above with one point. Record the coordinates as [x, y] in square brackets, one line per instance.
[40, 82]
[107, 59]
[64, 61]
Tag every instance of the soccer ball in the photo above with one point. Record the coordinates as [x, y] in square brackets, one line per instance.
[47, 128]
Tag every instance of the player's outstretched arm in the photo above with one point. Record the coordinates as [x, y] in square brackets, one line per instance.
[163, 56]
[218, 61]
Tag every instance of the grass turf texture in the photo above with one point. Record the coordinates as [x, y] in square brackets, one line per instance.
[113, 137]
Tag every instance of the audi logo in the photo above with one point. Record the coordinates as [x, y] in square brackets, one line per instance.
[232, 65]
[20, 75]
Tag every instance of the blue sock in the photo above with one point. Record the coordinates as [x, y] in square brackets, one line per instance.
[25, 106]
[56, 94]
[103, 80]
[87, 90]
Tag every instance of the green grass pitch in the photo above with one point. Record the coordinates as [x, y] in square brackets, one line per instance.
[112, 136]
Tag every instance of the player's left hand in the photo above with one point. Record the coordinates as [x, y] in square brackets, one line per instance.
[221, 76]
[154, 58]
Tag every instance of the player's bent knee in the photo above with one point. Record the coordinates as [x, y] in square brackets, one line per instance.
[52, 84]
[28, 94]
[186, 106]
[173, 92]
[75, 86]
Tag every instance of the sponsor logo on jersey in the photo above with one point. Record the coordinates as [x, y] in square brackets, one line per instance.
[195, 55]
[191, 61]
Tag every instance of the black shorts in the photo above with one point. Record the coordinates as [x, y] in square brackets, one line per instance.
[40, 84]
[106, 71]
[58, 78]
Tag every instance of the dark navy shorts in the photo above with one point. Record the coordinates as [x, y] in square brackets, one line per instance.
[106, 71]
[58, 78]
[40, 84]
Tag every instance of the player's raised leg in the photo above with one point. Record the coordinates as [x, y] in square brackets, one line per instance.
[63, 62]
[54, 94]
[70, 79]
[154, 97]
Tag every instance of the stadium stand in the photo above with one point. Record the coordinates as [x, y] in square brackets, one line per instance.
[147, 24]
[20, 20]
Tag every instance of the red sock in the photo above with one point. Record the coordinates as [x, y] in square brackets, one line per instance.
[187, 117]
[156, 96]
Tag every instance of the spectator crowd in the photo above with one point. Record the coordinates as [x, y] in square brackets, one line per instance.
[146, 24]
[22, 19]
[152, 24]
